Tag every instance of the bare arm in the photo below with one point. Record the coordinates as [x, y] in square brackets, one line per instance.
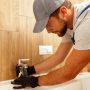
[55, 59]
[77, 60]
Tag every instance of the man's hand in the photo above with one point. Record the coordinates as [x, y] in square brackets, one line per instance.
[24, 81]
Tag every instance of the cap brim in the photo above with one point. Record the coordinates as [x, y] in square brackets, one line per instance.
[40, 25]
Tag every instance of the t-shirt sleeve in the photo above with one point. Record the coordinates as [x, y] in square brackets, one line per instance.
[82, 35]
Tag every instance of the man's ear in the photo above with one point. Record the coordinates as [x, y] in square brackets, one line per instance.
[62, 12]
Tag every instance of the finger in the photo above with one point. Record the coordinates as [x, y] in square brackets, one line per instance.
[18, 87]
[18, 79]
[16, 83]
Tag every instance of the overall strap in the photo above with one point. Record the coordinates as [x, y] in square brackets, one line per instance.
[84, 10]
[73, 39]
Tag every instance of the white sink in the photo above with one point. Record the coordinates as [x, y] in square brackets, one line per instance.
[85, 80]
[71, 85]
[81, 82]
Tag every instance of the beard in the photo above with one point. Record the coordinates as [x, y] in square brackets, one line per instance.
[63, 30]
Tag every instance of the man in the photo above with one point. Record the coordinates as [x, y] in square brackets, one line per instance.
[72, 23]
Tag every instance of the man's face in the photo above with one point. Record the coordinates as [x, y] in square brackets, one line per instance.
[57, 26]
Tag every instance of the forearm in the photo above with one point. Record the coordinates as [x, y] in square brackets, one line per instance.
[48, 64]
[55, 77]
[55, 59]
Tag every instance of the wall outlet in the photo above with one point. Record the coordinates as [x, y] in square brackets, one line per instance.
[45, 49]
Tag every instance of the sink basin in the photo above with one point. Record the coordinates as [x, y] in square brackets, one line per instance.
[71, 85]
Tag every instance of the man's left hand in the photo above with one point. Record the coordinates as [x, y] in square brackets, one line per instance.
[25, 81]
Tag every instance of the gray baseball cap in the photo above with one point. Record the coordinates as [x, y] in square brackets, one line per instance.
[42, 10]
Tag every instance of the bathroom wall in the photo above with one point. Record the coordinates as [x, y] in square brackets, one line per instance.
[18, 41]
[16, 37]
